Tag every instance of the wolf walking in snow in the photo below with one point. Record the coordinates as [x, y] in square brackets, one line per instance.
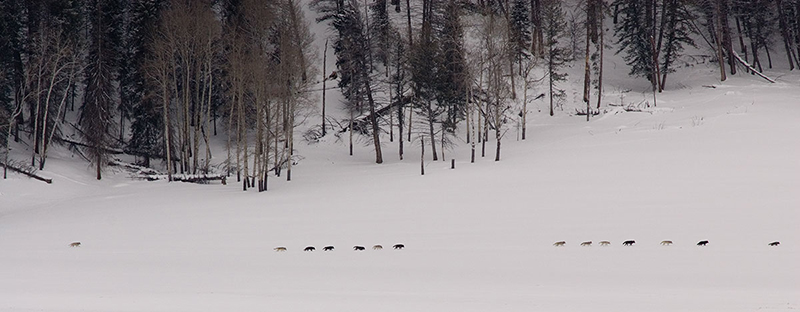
[666, 243]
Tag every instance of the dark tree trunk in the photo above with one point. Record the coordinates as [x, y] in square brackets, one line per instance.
[422, 156]
[741, 38]
[410, 37]
[431, 132]
[719, 40]
[724, 9]
[400, 105]
[324, 78]
[376, 134]
[785, 33]
[601, 18]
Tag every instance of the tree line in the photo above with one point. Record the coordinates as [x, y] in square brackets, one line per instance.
[155, 78]
[465, 63]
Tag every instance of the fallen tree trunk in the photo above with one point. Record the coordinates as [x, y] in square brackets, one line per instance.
[750, 67]
[361, 121]
[200, 179]
[107, 150]
[30, 174]
[583, 112]
[145, 171]
[151, 174]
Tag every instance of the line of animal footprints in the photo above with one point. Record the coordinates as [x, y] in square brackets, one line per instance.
[631, 242]
[331, 248]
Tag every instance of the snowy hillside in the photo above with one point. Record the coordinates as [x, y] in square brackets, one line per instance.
[709, 164]
[713, 161]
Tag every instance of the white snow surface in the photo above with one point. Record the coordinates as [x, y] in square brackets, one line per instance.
[719, 164]
[478, 238]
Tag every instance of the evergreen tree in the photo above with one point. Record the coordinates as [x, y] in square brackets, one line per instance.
[635, 38]
[12, 46]
[425, 67]
[101, 73]
[677, 33]
[521, 29]
[10, 50]
[352, 55]
[758, 24]
[785, 12]
[762, 27]
[452, 80]
[379, 30]
[556, 56]
[146, 123]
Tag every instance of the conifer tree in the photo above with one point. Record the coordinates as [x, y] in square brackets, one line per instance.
[556, 55]
[521, 29]
[146, 123]
[351, 46]
[380, 31]
[676, 34]
[424, 66]
[101, 73]
[452, 82]
[635, 35]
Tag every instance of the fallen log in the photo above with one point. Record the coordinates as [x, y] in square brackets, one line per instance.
[107, 150]
[145, 171]
[583, 112]
[750, 67]
[201, 179]
[25, 172]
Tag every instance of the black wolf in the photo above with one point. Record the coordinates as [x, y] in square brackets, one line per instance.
[628, 243]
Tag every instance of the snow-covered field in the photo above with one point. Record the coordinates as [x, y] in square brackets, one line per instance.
[719, 164]
[709, 164]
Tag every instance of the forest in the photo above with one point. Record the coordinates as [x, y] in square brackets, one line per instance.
[159, 79]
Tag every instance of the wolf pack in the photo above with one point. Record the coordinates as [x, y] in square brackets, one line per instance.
[401, 246]
[632, 242]
[331, 248]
